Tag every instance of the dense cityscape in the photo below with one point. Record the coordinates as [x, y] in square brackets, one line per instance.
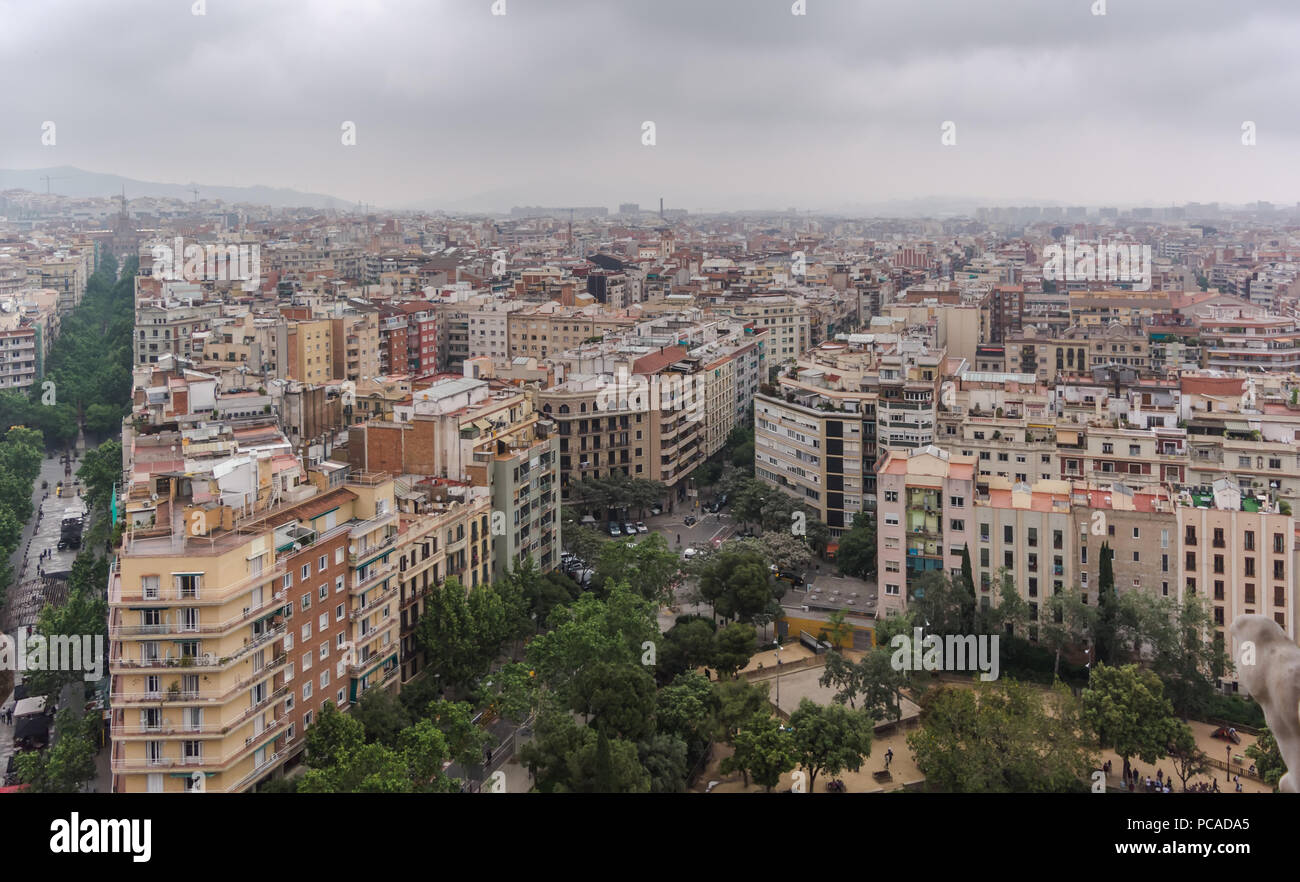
[618, 399]
[557, 500]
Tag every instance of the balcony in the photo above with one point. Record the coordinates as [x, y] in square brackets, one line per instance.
[372, 578]
[207, 661]
[248, 615]
[373, 603]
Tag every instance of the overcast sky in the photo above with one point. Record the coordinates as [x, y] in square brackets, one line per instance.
[753, 106]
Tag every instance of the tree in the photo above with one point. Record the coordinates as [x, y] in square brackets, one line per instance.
[1107, 610]
[382, 716]
[830, 738]
[510, 692]
[664, 757]
[649, 566]
[734, 645]
[619, 698]
[856, 554]
[1268, 758]
[737, 584]
[1189, 760]
[68, 765]
[333, 735]
[370, 768]
[607, 765]
[589, 631]
[838, 630]
[464, 738]
[446, 634]
[686, 708]
[941, 604]
[1127, 709]
[1001, 737]
[1178, 640]
[555, 738]
[737, 701]
[686, 646]
[424, 748]
[763, 750]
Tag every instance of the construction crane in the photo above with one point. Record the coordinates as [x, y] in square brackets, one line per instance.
[47, 179]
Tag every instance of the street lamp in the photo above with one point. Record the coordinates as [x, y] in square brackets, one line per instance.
[778, 674]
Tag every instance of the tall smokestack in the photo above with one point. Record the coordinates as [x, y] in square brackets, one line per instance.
[661, 208]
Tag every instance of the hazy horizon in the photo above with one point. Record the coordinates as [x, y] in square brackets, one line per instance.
[754, 108]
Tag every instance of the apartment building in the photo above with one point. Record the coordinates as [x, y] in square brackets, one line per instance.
[166, 317]
[483, 433]
[1238, 551]
[311, 350]
[924, 519]
[19, 359]
[437, 517]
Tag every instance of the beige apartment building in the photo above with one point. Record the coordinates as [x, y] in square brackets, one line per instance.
[311, 351]
[220, 655]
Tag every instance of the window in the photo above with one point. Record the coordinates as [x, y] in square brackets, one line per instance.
[338, 584]
[1279, 543]
[1136, 557]
[891, 589]
[306, 571]
[1008, 534]
[338, 613]
[322, 564]
[1136, 535]
[324, 651]
[1249, 540]
[1164, 538]
[306, 696]
[957, 526]
[1033, 537]
[338, 555]
[891, 496]
[324, 679]
[306, 602]
[306, 661]
[984, 532]
[1218, 537]
[957, 501]
[306, 632]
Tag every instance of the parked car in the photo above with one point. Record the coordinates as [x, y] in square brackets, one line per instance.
[690, 553]
[629, 528]
[615, 529]
[656, 510]
[641, 527]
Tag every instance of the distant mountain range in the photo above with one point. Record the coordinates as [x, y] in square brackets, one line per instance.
[66, 180]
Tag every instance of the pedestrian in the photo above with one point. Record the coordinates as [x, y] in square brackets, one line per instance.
[889, 757]
[1160, 775]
